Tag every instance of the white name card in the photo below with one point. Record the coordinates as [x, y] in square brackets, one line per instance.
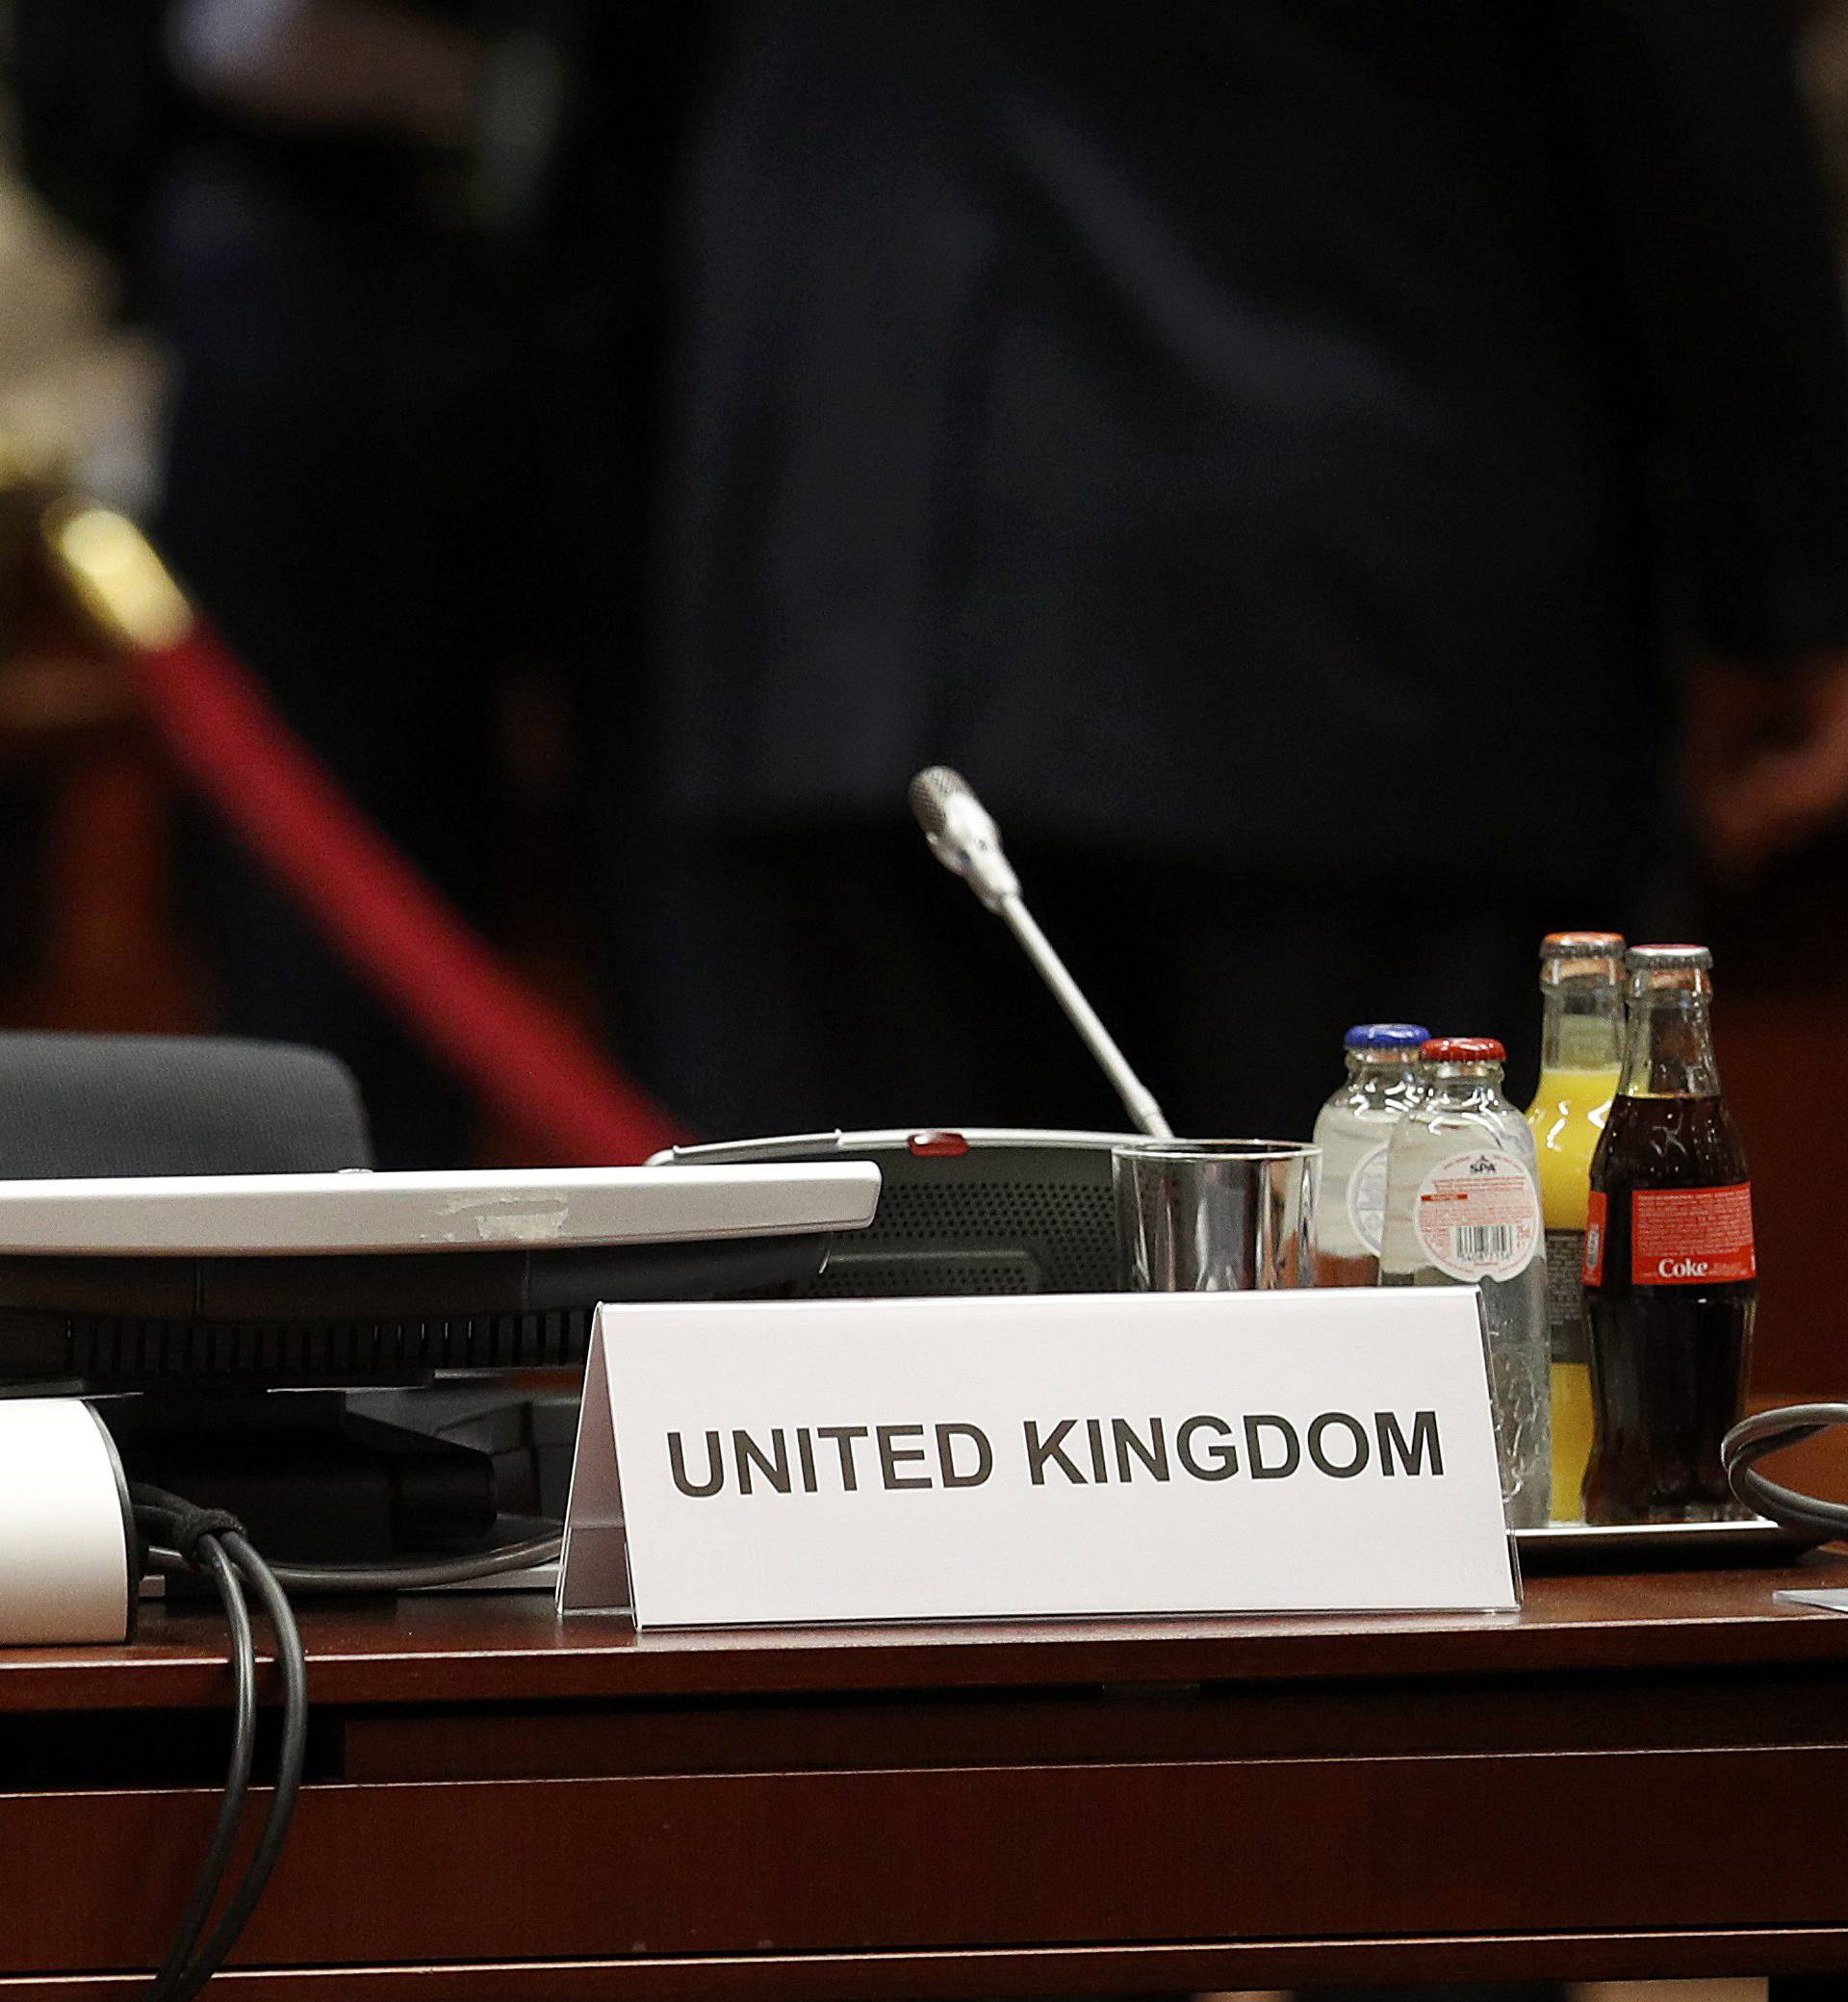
[772, 1463]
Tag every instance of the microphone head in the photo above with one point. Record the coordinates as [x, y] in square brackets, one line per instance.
[932, 793]
[962, 834]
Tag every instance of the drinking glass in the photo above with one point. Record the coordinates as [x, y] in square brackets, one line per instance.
[1215, 1215]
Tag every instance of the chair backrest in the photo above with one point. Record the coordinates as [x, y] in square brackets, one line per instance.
[174, 1104]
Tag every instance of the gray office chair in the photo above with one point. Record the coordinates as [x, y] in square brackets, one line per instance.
[174, 1104]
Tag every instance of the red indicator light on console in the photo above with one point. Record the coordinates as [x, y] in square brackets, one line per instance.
[933, 1145]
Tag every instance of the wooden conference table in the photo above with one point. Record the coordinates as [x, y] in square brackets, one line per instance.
[1635, 1776]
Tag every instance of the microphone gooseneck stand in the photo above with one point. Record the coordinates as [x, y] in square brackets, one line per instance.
[965, 838]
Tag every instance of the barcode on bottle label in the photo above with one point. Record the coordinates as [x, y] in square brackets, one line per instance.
[1477, 1215]
[1566, 1327]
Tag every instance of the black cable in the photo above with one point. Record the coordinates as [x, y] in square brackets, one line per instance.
[311, 1578]
[184, 1538]
[213, 1542]
[408, 1577]
[1756, 1438]
[236, 1785]
[293, 1662]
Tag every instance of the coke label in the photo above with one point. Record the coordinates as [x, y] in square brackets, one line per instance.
[1691, 1237]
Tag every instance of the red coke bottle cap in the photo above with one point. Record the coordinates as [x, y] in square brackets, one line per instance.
[1463, 1049]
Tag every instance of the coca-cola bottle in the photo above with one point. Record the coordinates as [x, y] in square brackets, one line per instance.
[1671, 1275]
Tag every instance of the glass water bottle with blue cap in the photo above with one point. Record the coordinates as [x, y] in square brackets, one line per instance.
[1353, 1130]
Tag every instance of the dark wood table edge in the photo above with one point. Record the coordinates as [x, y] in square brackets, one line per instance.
[431, 1653]
[1191, 1967]
[434, 1656]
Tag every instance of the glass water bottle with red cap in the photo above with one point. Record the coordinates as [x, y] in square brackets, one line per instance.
[1463, 1209]
[1671, 1271]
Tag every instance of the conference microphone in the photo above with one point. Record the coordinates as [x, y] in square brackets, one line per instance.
[965, 838]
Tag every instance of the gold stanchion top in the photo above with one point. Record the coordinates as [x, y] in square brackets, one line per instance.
[112, 571]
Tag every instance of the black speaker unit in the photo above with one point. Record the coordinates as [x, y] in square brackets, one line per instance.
[963, 1210]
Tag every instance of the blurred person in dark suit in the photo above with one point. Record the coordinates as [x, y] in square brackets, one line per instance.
[405, 258]
[1288, 455]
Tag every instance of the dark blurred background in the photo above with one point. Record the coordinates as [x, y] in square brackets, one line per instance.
[1353, 488]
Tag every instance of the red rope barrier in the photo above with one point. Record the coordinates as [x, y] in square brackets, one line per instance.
[517, 1052]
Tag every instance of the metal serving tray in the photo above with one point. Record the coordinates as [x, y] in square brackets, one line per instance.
[1659, 1546]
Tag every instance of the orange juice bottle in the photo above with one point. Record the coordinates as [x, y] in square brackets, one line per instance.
[1581, 1056]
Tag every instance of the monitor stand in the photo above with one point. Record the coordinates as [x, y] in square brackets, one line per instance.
[314, 1479]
